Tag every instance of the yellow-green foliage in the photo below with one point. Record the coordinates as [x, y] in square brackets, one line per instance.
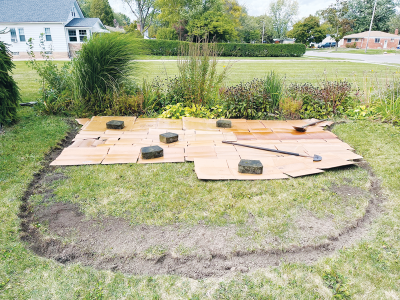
[178, 111]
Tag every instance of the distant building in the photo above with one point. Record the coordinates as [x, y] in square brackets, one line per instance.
[61, 22]
[377, 40]
[284, 41]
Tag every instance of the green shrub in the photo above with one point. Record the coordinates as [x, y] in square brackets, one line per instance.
[332, 98]
[178, 111]
[102, 67]
[167, 34]
[172, 48]
[9, 91]
[56, 96]
[247, 100]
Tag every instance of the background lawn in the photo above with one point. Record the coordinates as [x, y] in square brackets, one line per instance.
[369, 269]
[294, 70]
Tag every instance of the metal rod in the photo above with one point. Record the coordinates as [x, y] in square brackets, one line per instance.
[265, 149]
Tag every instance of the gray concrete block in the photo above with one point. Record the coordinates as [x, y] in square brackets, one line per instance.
[224, 124]
[152, 152]
[250, 166]
[115, 124]
[169, 138]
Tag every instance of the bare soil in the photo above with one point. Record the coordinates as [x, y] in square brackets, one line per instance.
[193, 251]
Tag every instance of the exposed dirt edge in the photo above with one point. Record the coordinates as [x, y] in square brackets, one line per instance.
[195, 267]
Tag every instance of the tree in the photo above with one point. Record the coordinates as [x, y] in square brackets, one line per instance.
[144, 11]
[360, 11]
[336, 15]
[394, 23]
[101, 9]
[167, 34]
[85, 7]
[9, 92]
[308, 30]
[122, 19]
[213, 25]
[282, 13]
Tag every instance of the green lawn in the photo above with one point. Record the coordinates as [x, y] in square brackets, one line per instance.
[242, 71]
[367, 270]
[299, 71]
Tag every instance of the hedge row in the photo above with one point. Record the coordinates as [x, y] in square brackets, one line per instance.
[171, 48]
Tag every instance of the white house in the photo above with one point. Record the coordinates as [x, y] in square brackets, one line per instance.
[61, 22]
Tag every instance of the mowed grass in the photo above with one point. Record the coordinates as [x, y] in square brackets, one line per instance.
[166, 194]
[367, 270]
[293, 71]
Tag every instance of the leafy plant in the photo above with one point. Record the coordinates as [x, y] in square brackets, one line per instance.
[247, 100]
[337, 284]
[9, 91]
[361, 112]
[290, 108]
[178, 111]
[331, 98]
[56, 83]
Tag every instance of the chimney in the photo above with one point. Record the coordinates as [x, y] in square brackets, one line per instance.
[396, 32]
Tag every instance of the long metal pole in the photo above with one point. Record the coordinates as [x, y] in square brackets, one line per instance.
[370, 26]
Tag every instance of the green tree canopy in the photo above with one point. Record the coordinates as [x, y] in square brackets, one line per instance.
[101, 9]
[282, 13]
[336, 16]
[394, 23]
[360, 11]
[214, 25]
[85, 7]
[122, 19]
[308, 30]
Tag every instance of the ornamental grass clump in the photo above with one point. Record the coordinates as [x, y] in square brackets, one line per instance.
[101, 69]
[9, 92]
[198, 79]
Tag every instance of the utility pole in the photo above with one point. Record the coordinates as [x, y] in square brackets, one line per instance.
[370, 26]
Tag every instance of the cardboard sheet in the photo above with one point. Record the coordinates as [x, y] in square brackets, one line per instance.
[202, 142]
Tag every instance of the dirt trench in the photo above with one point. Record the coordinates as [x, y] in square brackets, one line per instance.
[112, 244]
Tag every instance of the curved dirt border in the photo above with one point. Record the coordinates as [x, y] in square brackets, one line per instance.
[195, 267]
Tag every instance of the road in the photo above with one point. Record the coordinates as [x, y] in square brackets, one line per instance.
[381, 59]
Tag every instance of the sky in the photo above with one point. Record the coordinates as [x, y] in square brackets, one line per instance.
[254, 7]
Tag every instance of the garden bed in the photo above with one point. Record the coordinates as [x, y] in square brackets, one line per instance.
[134, 220]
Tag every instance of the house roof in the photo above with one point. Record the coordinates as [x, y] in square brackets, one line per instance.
[374, 34]
[83, 22]
[35, 10]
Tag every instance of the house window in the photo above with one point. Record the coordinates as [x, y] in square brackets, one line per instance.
[72, 36]
[48, 34]
[392, 40]
[15, 53]
[73, 12]
[349, 40]
[13, 35]
[377, 40]
[82, 35]
[356, 40]
[21, 35]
